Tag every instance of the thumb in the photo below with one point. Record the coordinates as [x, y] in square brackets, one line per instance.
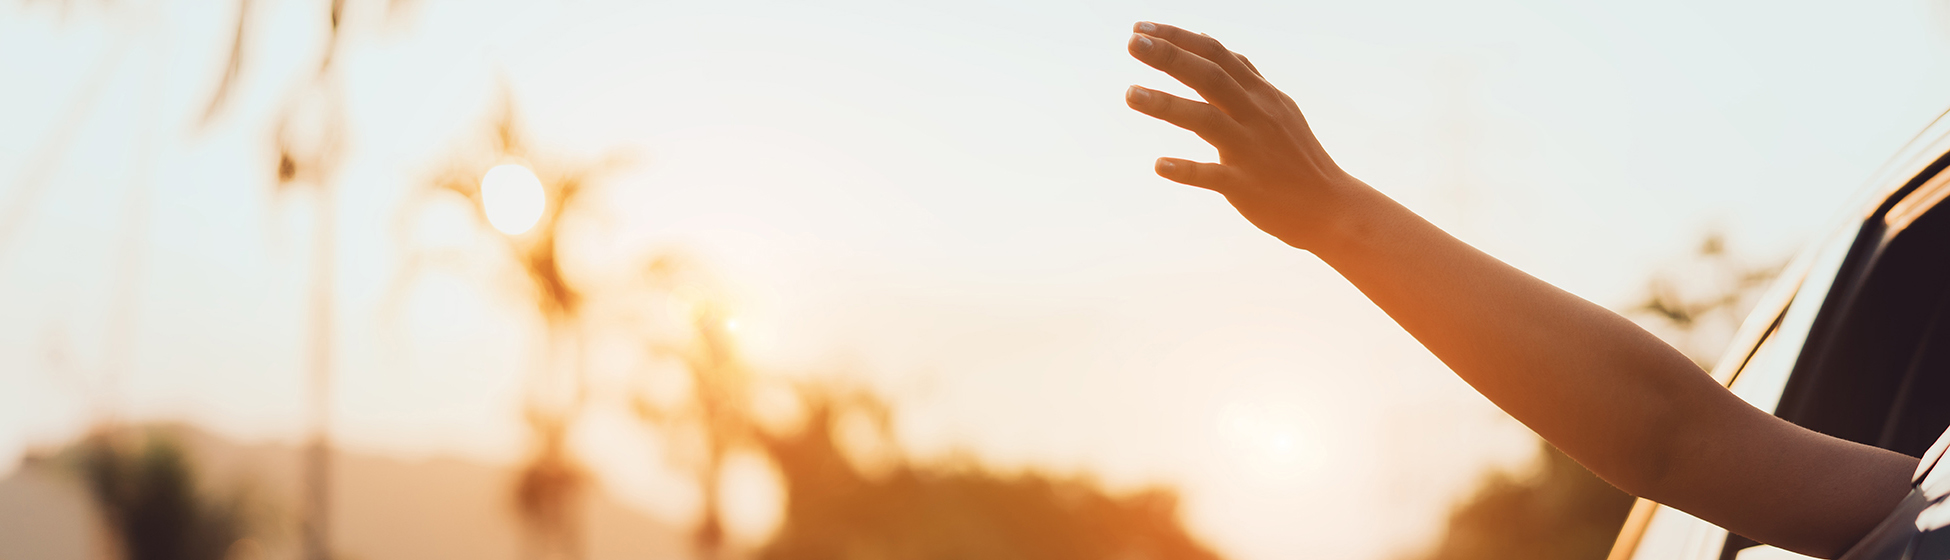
[1198, 174]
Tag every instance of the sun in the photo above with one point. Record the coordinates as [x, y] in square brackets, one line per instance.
[512, 198]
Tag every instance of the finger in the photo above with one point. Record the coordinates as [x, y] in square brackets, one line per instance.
[1214, 126]
[1210, 81]
[1205, 47]
[1249, 65]
[1198, 174]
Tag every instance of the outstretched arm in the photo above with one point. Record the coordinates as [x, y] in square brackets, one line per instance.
[1612, 396]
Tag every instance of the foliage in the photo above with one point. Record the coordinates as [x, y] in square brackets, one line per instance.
[551, 484]
[854, 494]
[835, 511]
[1695, 305]
[1561, 512]
[147, 491]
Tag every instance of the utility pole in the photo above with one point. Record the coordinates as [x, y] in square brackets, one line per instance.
[318, 449]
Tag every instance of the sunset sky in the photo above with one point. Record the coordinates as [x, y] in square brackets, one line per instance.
[949, 203]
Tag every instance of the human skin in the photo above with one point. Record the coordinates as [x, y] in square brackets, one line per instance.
[1618, 400]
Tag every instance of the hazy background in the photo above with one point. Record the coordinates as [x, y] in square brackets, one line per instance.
[950, 203]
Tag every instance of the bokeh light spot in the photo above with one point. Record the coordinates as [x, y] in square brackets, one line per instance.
[753, 492]
[512, 198]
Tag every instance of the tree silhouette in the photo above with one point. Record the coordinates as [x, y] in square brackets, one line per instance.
[718, 411]
[839, 504]
[308, 138]
[551, 482]
[146, 489]
[961, 510]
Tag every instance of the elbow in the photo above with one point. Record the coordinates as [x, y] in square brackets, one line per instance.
[1683, 424]
[1653, 461]
[1649, 474]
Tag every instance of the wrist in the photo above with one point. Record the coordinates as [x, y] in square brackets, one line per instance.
[1346, 216]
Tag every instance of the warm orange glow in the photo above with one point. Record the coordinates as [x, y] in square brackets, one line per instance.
[968, 230]
[1272, 441]
[512, 198]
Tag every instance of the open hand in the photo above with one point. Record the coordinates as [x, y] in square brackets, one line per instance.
[1270, 166]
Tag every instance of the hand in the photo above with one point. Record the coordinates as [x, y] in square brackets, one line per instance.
[1270, 166]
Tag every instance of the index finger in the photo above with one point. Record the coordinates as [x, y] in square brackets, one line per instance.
[1212, 82]
[1205, 47]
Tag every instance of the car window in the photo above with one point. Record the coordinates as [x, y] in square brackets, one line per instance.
[1870, 370]
[1853, 342]
[1761, 379]
[1775, 334]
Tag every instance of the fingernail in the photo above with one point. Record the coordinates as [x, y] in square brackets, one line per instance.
[1137, 94]
[1143, 43]
[1165, 165]
[1146, 27]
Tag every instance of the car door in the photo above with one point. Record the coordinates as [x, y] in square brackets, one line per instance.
[1853, 341]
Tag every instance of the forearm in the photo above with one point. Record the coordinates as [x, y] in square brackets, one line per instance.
[1612, 396]
[1609, 394]
[1591, 382]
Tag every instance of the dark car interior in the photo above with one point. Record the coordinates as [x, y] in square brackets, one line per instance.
[1876, 365]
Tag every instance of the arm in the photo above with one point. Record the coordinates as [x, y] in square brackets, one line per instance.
[1612, 396]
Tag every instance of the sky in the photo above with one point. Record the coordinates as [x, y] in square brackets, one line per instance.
[949, 203]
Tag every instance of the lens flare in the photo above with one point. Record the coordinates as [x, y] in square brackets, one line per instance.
[512, 198]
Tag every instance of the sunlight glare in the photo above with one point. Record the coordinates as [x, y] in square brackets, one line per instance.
[1271, 440]
[512, 198]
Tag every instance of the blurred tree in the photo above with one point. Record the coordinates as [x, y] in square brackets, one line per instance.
[308, 137]
[1697, 304]
[717, 413]
[147, 491]
[1562, 511]
[834, 509]
[846, 499]
[551, 482]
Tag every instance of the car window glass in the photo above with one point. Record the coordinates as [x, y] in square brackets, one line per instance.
[1762, 379]
[1763, 320]
[1759, 372]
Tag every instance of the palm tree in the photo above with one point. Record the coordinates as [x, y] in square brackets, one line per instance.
[551, 482]
[309, 137]
[719, 406]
